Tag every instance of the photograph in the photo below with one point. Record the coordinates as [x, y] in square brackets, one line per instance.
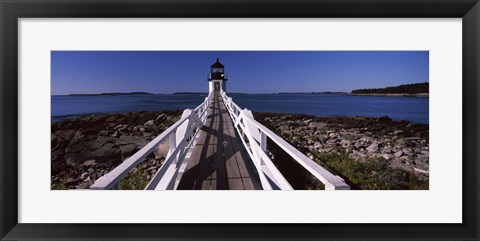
[240, 120]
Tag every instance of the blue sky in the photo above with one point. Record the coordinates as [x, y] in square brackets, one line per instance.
[248, 71]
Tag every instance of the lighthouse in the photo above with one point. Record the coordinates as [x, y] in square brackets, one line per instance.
[217, 80]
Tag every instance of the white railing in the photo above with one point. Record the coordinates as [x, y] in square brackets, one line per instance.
[180, 136]
[254, 136]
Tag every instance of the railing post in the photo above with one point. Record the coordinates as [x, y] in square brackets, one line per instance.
[263, 141]
[172, 138]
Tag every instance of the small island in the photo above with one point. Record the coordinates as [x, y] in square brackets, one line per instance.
[312, 93]
[414, 90]
[113, 94]
[190, 93]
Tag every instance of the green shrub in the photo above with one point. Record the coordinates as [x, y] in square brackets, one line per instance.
[370, 173]
[134, 181]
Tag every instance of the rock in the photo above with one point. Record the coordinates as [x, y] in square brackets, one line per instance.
[398, 154]
[326, 149]
[88, 145]
[138, 141]
[405, 159]
[384, 119]
[104, 153]
[141, 129]
[359, 144]
[162, 150]
[345, 143]
[421, 171]
[128, 150]
[387, 150]
[160, 117]
[66, 134]
[111, 118]
[407, 151]
[316, 124]
[84, 175]
[387, 156]
[72, 181]
[84, 185]
[103, 133]
[331, 141]
[317, 145]
[402, 142]
[53, 137]
[321, 138]
[149, 123]
[373, 148]
[397, 132]
[287, 132]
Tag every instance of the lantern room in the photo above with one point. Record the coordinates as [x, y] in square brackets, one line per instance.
[217, 78]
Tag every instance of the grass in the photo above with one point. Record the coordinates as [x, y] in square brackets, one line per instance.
[62, 185]
[134, 180]
[370, 173]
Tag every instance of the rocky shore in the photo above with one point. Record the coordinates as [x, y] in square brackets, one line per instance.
[85, 148]
[369, 153]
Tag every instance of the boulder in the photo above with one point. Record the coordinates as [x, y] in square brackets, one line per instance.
[317, 145]
[402, 141]
[398, 154]
[84, 185]
[89, 163]
[84, 176]
[72, 181]
[105, 153]
[136, 140]
[316, 124]
[160, 117]
[149, 123]
[373, 148]
[345, 143]
[387, 156]
[162, 149]
[128, 150]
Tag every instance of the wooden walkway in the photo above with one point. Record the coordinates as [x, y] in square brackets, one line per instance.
[219, 160]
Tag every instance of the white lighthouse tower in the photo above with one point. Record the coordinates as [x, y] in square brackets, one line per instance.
[217, 79]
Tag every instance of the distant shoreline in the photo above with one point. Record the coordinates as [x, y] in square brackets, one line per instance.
[112, 94]
[422, 95]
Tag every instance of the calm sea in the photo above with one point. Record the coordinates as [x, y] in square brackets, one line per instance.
[398, 108]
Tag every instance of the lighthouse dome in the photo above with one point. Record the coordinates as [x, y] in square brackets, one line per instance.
[217, 64]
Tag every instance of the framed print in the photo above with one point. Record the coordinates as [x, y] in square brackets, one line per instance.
[239, 120]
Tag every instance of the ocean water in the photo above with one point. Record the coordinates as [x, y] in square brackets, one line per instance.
[398, 108]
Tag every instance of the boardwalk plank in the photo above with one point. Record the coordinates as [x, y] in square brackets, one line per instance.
[219, 159]
[236, 184]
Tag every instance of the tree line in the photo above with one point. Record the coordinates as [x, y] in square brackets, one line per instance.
[401, 89]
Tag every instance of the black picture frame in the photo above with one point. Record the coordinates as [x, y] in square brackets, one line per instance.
[11, 11]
